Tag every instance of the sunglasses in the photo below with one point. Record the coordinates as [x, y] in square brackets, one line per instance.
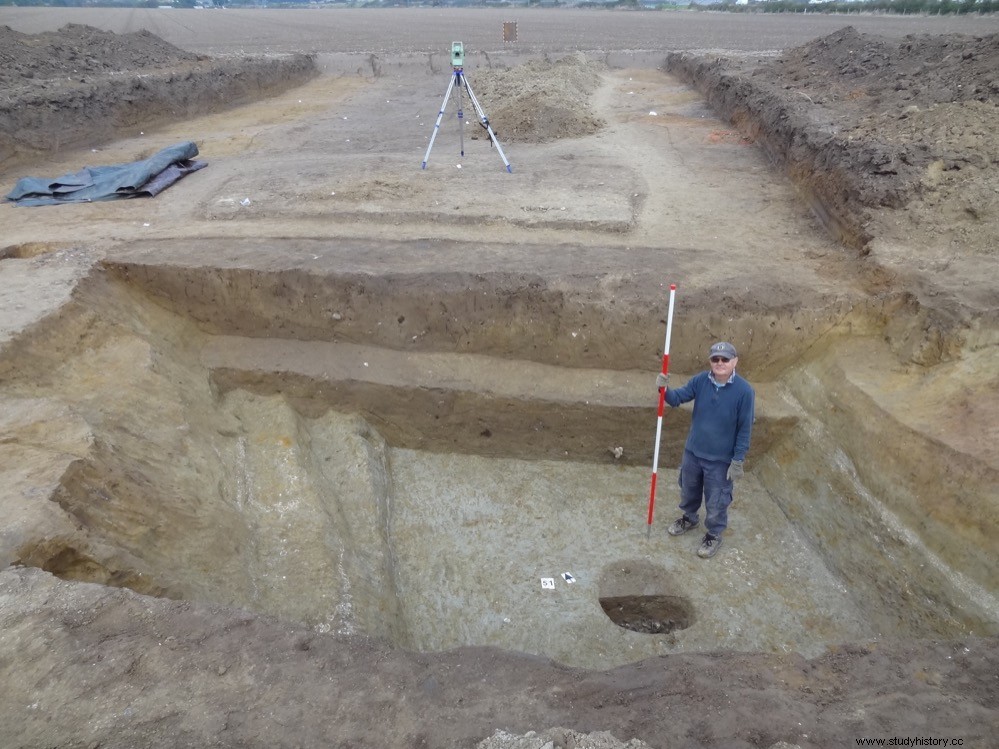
[716, 359]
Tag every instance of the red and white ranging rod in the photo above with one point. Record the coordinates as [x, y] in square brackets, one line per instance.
[662, 404]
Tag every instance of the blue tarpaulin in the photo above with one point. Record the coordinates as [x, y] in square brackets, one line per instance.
[144, 178]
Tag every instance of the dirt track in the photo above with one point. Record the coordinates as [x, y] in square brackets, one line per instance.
[313, 295]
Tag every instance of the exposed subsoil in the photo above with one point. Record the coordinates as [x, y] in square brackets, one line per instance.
[892, 142]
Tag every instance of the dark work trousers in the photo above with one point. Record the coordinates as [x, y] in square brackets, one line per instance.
[705, 480]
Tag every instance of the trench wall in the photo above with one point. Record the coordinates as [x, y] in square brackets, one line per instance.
[145, 478]
[93, 113]
[792, 139]
[566, 321]
[905, 519]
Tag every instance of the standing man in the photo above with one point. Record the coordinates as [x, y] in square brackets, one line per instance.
[717, 443]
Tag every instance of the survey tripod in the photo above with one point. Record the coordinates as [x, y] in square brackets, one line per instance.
[459, 82]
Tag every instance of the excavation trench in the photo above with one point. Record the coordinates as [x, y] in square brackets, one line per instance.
[362, 467]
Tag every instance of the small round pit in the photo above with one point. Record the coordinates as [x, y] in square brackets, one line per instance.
[642, 597]
[650, 615]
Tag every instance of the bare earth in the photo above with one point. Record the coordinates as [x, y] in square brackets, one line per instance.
[823, 190]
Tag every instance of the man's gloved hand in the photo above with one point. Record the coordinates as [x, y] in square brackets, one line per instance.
[661, 381]
[735, 471]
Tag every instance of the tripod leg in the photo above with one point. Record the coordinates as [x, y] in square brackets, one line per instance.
[485, 123]
[437, 125]
[461, 114]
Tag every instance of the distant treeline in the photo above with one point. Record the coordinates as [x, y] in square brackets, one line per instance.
[906, 7]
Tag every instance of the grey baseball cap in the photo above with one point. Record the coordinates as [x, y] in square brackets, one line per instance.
[723, 348]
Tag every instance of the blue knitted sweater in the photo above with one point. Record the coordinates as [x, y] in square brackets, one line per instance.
[722, 421]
